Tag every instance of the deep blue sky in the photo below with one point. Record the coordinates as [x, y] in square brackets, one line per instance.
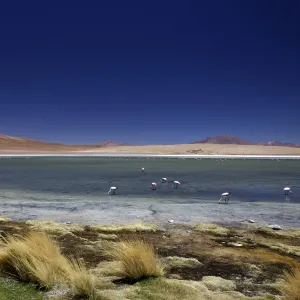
[150, 71]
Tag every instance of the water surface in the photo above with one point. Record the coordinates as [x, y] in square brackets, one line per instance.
[205, 179]
[30, 187]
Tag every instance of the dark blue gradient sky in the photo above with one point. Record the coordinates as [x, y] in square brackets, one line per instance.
[150, 71]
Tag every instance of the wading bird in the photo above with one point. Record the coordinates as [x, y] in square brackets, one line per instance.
[176, 184]
[112, 190]
[287, 191]
[225, 196]
[153, 186]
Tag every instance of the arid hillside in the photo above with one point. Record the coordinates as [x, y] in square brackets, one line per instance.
[224, 149]
[17, 144]
[10, 144]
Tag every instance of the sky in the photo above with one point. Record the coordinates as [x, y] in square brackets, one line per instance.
[150, 72]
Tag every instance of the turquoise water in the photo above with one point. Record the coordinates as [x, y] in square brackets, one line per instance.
[201, 180]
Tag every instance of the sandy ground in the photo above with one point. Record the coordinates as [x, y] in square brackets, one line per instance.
[186, 149]
[204, 149]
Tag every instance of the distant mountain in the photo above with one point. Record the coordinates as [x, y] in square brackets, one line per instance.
[109, 144]
[223, 139]
[26, 144]
[278, 143]
[112, 144]
[230, 139]
[11, 142]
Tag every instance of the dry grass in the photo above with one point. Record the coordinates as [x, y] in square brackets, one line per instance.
[290, 286]
[289, 234]
[4, 219]
[212, 229]
[172, 289]
[36, 258]
[80, 280]
[138, 259]
[249, 255]
[55, 228]
[137, 227]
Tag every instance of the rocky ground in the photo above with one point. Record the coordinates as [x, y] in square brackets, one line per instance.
[205, 261]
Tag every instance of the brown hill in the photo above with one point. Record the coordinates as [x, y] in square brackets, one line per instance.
[11, 143]
[223, 139]
[25, 144]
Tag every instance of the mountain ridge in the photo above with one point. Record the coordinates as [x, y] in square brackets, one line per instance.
[28, 144]
[231, 139]
[21, 143]
[223, 139]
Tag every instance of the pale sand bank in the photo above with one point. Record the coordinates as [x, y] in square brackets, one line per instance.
[180, 149]
[143, 155]
[201, 149]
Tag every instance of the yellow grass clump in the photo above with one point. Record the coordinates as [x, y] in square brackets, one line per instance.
[137, 227]
[213, 229]
[138, 259]
[51, 227]
[36, 258]
[290, 286]
[4, 219]
[289, 233]
[80, 280]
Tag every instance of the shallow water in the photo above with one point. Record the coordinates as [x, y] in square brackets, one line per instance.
[37, 187]
[206, 179]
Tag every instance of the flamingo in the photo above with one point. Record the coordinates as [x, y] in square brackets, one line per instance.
[153, 186]
[225, 196]
[112, 190]
[176, 184]
[287, 191]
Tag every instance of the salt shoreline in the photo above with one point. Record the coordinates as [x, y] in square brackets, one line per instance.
[120, 210]
[142, 155]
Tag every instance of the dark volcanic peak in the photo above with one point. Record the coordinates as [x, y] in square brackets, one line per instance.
[223, 139]
[112, 143]
[109, 143]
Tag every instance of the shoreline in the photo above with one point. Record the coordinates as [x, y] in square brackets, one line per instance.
[143, 155]
[124, 211]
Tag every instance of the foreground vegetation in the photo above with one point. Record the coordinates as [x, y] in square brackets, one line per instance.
[137, 258]
[46, 260]
[290, 286]
[12, 290]
[37, 259]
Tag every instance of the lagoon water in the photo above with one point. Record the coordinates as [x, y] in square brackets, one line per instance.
[74, 188]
